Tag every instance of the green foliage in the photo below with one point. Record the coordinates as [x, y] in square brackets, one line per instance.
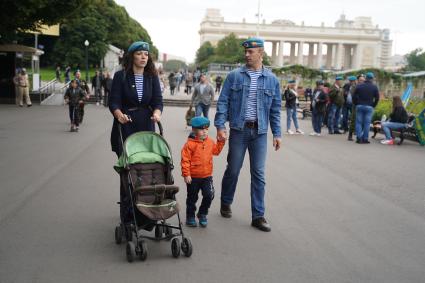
[304, 72]
[21, 15]
[415, 106]
[101, 22]
[384, 107]
[174, 65]
[228, 51]
[416, 60]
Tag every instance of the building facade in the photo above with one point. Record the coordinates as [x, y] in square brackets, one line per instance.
[348, 45]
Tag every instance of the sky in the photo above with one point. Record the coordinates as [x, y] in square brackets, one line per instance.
[174, 25]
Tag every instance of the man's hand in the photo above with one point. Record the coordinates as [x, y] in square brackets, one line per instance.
[221, 135]
[124, 119]
[187, 179]
[276, 143]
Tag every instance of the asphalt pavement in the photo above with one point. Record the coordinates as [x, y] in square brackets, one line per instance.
[339, 211]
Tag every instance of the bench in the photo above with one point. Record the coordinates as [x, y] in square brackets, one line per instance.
[408, 133]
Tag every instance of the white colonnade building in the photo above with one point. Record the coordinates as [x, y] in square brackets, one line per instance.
[348, 45]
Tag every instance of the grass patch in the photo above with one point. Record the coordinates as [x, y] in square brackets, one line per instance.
[48, 74]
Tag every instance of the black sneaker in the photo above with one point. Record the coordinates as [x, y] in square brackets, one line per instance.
[226, 210]
[261, 224]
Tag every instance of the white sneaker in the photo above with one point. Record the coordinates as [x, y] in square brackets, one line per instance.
[318, 135]
[300, 132]
[312, 134]
[389, 142]
[289, 132]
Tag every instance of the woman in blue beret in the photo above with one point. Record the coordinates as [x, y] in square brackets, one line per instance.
[135, 99]
[136, 103]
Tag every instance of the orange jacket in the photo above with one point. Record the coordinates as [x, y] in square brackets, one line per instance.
[197, 156]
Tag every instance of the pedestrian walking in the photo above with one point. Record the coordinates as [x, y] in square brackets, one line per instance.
[250, 100]
[197, 169]
[203, 97]
[74, 95]
[136, 104]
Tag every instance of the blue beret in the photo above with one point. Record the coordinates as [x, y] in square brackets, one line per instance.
[370, 75]
[352, 78]
[138, 46]
[253, 42]
[200, 122]
[320, 82]
[291, 81]
[339, 78]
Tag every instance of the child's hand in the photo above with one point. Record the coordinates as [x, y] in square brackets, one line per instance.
[187, 179]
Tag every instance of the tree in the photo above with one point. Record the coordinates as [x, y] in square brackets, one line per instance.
[20, 15]
[416, 60]
[102, 22]
[204, 52]
[228, 50]
[174, 65]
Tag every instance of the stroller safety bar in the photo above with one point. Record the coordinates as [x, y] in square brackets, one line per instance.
[156, 189]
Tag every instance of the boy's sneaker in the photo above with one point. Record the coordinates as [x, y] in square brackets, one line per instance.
[203, 221]
[299, 132]
[389, 142]
[191, 222]
[289, 132]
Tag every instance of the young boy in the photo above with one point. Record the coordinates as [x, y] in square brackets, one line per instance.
[197, 167]
[73, 96]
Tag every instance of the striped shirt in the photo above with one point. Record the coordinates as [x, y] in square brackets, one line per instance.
[251, 107]
[139, 86]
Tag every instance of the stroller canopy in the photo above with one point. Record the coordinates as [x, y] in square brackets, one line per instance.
[144, 147]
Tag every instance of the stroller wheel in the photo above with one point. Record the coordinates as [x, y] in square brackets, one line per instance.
[130, 251]
[118, 235]
[168, 231]
[158, 231]
[175, 247]
[143, 250]
[187, 247]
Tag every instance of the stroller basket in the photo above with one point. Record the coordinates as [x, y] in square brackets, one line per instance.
[157, 202]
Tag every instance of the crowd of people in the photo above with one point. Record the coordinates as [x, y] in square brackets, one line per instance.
[343, 107]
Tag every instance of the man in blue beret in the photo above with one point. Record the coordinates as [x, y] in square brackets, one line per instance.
[365, 97]
[336, 98]
[250, 101]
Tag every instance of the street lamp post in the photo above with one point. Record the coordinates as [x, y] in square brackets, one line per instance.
[86, 43]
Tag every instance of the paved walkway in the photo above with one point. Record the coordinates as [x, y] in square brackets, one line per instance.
[340, 212]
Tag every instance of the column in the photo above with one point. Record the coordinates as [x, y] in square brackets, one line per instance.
[280, 54]
[274, 47]
[357, 56]
[338, 60]
[292, 54]
[347, 57]
[329, 55]
[319, 55]
[310, 55]
[300, 53]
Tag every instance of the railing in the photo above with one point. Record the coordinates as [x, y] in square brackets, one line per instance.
[47, 89]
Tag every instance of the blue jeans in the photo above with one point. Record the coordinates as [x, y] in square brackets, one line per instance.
[346, 114]
[205, 185]
[291, 112]
[388, 126]
[333, 118]
[202, 109]
[239, 142]
[363, 118]
[317, 121]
